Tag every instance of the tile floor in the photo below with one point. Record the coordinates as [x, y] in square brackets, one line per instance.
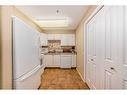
[62, 79]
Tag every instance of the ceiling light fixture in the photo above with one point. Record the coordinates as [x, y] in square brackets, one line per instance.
[52, 23]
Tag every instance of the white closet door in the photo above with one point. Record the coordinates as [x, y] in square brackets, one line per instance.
[91, 72]
[106, 51]
[113, 47]
[99, 27]
[100, 31]
[88, 52]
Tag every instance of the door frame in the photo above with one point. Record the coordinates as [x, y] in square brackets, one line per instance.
[85, 36]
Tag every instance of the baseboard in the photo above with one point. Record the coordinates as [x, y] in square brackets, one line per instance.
[59, 68]
[52, 68]
[80, 75]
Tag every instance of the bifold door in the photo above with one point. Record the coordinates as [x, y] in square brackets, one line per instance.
[91, 70]
[113, 47]
[106, 49]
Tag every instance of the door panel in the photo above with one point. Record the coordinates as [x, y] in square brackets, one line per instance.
[64, 40]
[93, 75]
[112, 47]
[107, 37]
[91, 66]
[49, 60]
[124, 65]
[56, 62]
[124, 84]
[108, 76]
[88, 73]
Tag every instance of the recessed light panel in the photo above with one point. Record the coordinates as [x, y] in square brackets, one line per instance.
[50, 23]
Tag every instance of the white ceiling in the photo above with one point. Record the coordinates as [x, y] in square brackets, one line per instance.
[73, 13]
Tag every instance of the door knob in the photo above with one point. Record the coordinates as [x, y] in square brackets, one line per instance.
[92, 60]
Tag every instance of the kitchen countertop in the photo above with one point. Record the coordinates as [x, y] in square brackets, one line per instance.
[62, 53]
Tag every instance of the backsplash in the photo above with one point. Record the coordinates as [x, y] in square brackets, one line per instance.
[55, 46]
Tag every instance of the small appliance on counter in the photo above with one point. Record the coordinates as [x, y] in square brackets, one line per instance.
[59, 50]
[68, 49]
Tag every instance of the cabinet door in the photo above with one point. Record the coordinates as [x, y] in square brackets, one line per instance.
[68, 39]
[73, 60]
[51, 37]
[71, 39]
[49, 60]
[64, 40]
[56, 62]
[43, 39]
[57, 36]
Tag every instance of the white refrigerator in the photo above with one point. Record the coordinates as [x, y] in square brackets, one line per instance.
[26, 56]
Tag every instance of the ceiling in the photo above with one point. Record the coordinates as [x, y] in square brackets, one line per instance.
[74, 14]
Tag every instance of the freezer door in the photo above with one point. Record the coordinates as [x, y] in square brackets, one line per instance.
[31, 80]
[25, 48]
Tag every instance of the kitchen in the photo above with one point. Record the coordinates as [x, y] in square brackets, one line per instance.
[52, 50]
[45, 42]
[63, 47]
